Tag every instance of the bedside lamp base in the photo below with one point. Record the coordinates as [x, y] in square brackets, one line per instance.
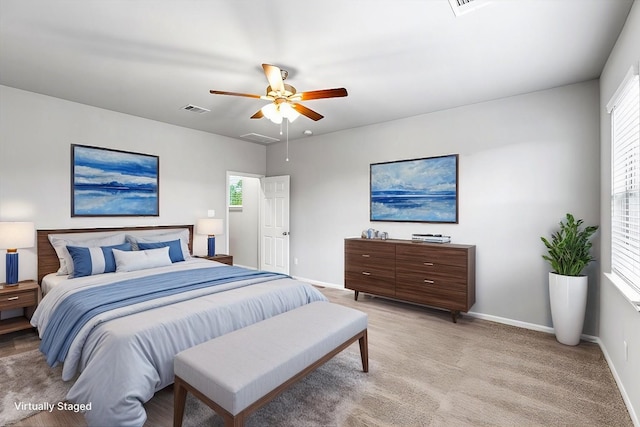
[12, 267]
[211, 245]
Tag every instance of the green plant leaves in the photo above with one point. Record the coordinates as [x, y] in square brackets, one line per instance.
[569, 250]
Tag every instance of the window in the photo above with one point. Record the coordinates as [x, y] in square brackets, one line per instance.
[625, 181]
[235, 191]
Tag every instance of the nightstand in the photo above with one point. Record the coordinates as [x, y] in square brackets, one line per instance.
[225, 259]
[23, 295]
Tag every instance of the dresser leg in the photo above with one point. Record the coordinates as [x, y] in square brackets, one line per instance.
[355, 295]
[454, 315]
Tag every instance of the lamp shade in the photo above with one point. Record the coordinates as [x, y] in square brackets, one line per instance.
[16, 235]
[210, 226]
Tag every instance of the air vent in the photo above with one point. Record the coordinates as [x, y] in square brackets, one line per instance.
[460, 7]
[256, 137]
[195, 109]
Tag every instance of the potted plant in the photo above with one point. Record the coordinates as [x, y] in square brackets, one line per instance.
[569, 252]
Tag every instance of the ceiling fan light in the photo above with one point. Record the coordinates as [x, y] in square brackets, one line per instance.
[270, 111]
[277, 119]
[288, 112]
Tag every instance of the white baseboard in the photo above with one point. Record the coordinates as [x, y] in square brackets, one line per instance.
[317, 282]
[635, 418]
[525, 325]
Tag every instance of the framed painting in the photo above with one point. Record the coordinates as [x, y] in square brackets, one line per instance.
[106, 182]
[417, 190]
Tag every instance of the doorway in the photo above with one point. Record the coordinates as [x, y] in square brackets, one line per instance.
[243, 218]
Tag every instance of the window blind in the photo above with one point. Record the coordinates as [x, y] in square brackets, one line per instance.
[625, 194]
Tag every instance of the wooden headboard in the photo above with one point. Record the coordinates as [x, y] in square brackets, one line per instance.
[48, 259]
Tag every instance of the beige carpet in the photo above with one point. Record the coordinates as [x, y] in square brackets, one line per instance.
[26, 382]
[428, 371]
[476, 372]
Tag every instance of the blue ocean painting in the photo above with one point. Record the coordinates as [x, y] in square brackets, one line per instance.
[421, 190]
[114, 183]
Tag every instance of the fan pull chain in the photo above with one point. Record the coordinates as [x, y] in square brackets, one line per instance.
[287, 158]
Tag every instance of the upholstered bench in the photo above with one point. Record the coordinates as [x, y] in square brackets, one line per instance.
[237, 373]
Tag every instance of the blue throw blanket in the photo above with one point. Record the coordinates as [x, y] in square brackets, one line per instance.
[77, 309]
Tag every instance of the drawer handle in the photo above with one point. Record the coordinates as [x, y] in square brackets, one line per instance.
[12, 298]
[366, 273]
[428, 264]
[366, 255]
[429, 281]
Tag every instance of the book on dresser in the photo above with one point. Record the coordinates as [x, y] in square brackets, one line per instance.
[440, 275]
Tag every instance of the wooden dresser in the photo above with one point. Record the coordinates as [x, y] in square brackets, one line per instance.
[433, 274]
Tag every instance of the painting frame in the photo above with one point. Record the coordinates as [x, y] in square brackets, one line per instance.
[415, 190]
[106, 182]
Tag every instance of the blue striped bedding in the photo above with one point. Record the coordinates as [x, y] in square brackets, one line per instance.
[76, 310]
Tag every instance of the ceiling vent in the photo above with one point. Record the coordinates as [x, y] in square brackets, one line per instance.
[195, 109]
[256, 137]
[460, 7]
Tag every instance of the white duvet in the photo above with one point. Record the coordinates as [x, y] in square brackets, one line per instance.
[124, 356]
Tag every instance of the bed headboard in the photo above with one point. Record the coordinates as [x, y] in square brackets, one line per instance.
[48, 259]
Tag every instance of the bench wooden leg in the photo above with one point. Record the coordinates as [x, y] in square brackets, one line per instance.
[179, 400]
[234, 421]
[364, 351]
[180, 390]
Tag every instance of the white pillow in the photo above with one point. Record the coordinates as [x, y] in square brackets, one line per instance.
[60, 242]
[141, 260]
[182, 235]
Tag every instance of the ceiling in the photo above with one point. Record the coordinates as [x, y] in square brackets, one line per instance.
[397, 58]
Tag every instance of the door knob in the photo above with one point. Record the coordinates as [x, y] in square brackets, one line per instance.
[285, 233]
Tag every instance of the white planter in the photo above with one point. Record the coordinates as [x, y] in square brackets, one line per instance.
[568, 296]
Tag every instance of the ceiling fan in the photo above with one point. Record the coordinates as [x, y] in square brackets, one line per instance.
[285, 99]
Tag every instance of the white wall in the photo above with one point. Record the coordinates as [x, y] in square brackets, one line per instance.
[524, 162]
[36, 132]
[619, 321]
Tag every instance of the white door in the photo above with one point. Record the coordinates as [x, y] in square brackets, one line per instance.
[274, 224]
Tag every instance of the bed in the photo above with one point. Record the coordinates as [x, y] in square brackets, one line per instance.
[116, 332]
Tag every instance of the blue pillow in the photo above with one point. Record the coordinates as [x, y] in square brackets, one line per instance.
[97, 260]
[175, 249]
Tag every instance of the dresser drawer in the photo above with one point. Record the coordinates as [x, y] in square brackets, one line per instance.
[18, 299]
[433, 280]
[381, 266]
[433, 271]
[417, 254]
[370, 283]
[430, 294]
[370, 248]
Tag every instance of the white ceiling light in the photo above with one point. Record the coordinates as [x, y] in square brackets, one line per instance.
[278, 111]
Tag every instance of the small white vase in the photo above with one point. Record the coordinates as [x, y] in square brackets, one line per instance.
[568, 297]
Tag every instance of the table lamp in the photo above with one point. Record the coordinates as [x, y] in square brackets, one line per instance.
[210, 227]
[13, 236]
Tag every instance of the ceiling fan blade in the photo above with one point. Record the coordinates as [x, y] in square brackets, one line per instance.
[323, 93]
[307, 112]
[274, 76]
[257, 115]
[248, 95]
